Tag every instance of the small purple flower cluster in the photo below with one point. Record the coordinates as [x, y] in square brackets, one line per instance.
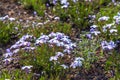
[108, 45]
[104, 18]
[27, 69]
[7, 17]
[58, 39]
[53, 39]
[55, 58]
[117, 18]
[64, 3]
[77, 62]
[93, 30]
[23, 43]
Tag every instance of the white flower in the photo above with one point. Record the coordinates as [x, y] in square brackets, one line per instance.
[113, 1]
[95, 32]
[59, 54]
[26, 67]
[69, 47]
[93, 26]
[53, 41]
[14, 46]
[16, 50]
[3, 18]
[108, 26]
[57, 18]
[52, 34]
[28, 48]
[66, 40]
[63, 1]
[53, 58]
[104, 18]
[77, 62]
[12, 19]
[108, 46]
[67, 51]
[45, 37]
[113, 30]
[60, 44]
[64, 66]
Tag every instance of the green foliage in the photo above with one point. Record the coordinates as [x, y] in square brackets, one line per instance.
[7, 32]
[76, 14]
[37, 5]
[39, 59]
[15, 75]
[113, 65]
[48, 28]
[110, 11]
[89, 50]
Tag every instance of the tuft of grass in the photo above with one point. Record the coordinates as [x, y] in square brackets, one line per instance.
[90, 50]
[39, 59]
[48, 28]
[7, 33]
[36, 5]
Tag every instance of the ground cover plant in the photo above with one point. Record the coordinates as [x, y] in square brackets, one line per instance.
[60, 40]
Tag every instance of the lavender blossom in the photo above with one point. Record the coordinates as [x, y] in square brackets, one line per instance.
[108, 46]
[95, 32]
[53, 58]
[27, 68]
[94, 26]
[77, 62]
[104, 18]
[58, 54]
[64, 3]
[89, 36]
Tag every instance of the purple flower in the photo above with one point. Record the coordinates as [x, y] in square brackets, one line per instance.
[53, 58]
[8, 50]
[59, 54]
[35, 13]
[89, 36]
[77, 62]
[108, 46]
[95, 32]
[52, 34]
[104, 18]
[27, 68]
[94, 26]
[9, 54]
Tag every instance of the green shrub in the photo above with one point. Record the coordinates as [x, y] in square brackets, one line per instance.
[48, 28]
[89, 50]
[40, 60]
[36, 5]
[7, 32]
